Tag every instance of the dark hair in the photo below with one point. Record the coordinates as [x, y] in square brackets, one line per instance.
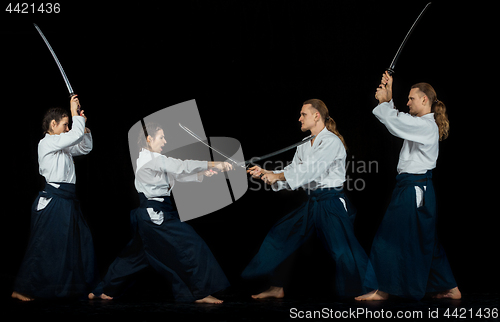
[438, 108]
[56, 114]
[149, 129]
[323, 112]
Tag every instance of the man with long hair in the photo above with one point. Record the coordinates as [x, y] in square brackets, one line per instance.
[406, 255]
[318, 167]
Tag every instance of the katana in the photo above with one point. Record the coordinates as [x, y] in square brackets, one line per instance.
[393, 63]
[255, 159]
[202, 141]
[246, 163]
[68, 85]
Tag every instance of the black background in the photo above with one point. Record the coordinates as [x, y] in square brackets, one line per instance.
[250, 65]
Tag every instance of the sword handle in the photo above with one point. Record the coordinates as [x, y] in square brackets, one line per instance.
[261, 175]
[390, 71]
[79, 110]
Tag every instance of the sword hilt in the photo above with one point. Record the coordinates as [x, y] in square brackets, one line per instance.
[261, 175]
[390, 71]
[79, 110]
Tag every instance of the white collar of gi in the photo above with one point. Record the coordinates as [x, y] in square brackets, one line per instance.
[151, 153]
[324, 130]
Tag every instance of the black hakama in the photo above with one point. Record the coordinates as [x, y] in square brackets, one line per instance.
[59, 260]
[172, 248]
[406, 255]
[324, 214]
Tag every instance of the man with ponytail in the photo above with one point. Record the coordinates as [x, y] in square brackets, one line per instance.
[406, 255]
[318, 167]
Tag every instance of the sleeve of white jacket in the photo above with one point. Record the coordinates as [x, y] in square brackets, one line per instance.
[175, 167]
[280, 185]
[84, 147]
[182, 167]
[187, 170]
[403, 125]
[192, 177]
[313, 165]
[67, 139]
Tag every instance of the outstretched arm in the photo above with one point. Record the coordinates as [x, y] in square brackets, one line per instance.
[221, 166]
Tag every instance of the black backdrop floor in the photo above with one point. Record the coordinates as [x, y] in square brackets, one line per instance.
[143, 307]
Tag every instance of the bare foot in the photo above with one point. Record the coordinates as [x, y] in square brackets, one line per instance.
[209, 299]
[103, 296]
[272, 292]
[375, 295]
[453, 294]
[21, 297]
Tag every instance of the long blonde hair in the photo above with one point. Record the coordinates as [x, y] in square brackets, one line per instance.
[330, 124]
[438, 108]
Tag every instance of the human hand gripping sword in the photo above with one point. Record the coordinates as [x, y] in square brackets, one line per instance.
[68, 85]
[245, 164]
[390, 70]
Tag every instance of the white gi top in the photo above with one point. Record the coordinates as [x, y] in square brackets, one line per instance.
[55, 152]
[421, 137]
[321, 165]
[155, 172]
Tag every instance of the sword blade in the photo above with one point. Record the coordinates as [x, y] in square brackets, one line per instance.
[393, 63]
[255, 159]
[246, 163]
[68, 85]
[240, 164]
